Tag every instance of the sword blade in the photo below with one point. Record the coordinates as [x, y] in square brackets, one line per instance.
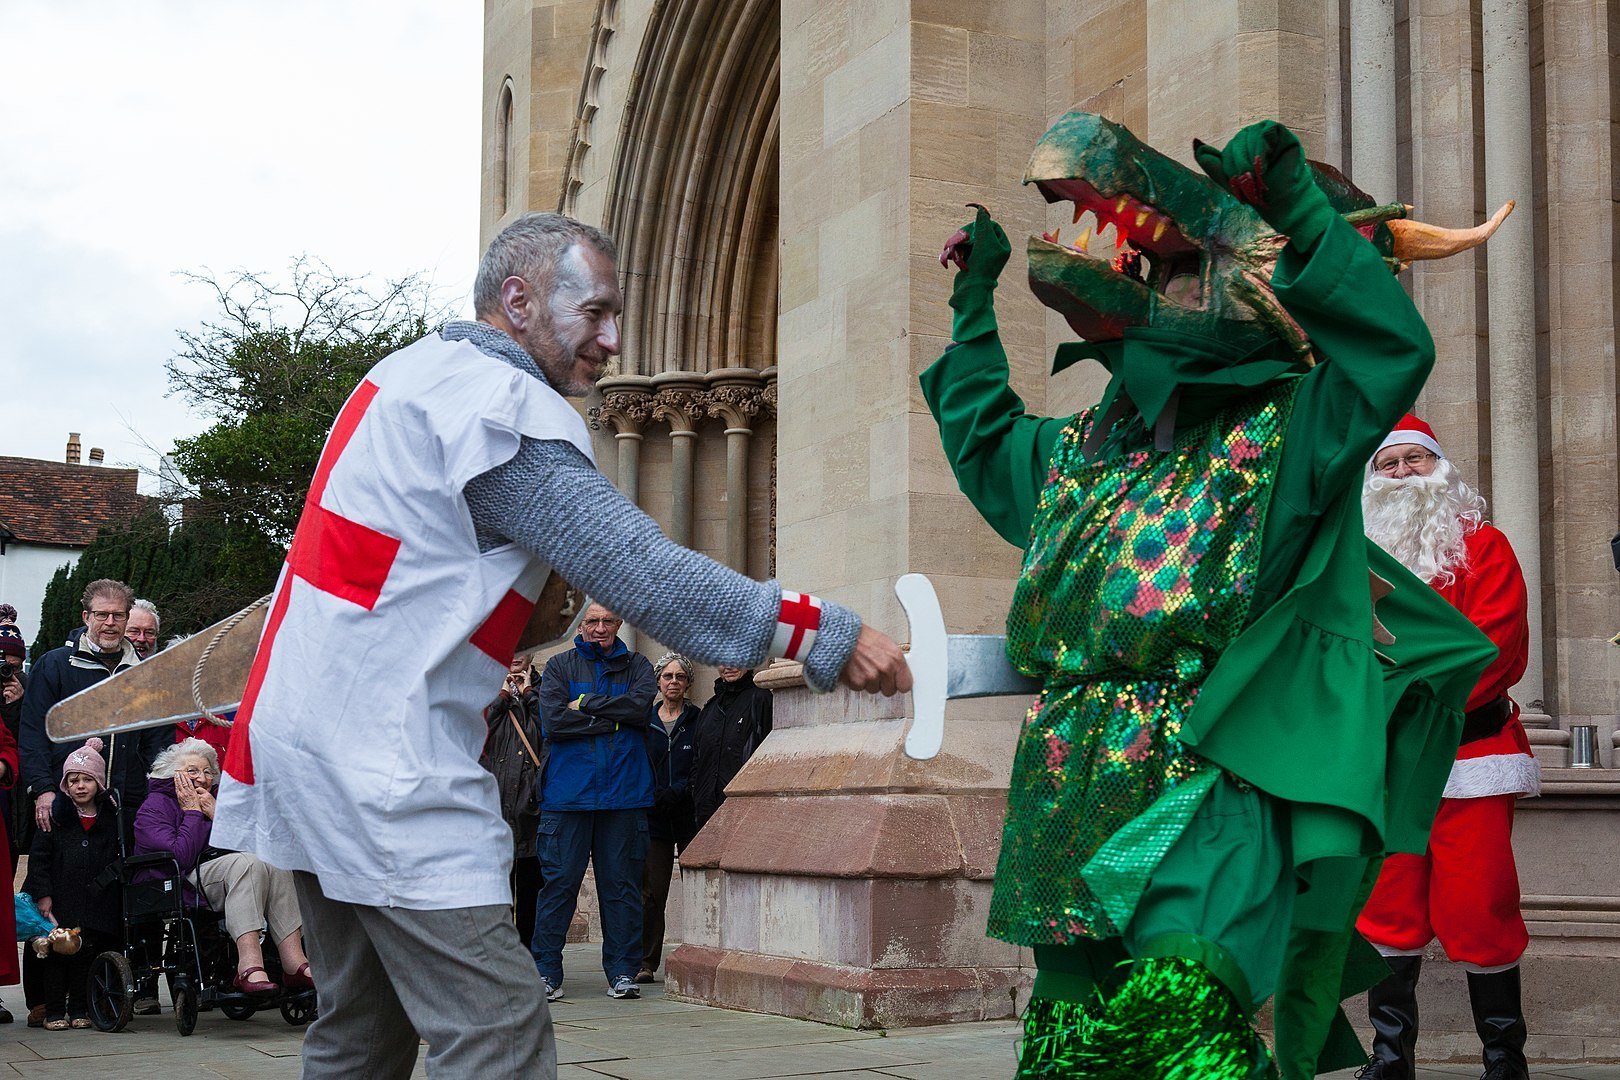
[978, 667]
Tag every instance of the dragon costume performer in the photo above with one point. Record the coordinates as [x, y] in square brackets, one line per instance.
[1229, 737]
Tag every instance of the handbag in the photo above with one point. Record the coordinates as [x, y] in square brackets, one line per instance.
[31, 922]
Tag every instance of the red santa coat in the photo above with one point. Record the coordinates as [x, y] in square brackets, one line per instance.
[9, 972]
[1465, 888]
[1490, 590]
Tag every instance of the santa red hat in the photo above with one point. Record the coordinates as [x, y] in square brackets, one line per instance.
[1412, 430]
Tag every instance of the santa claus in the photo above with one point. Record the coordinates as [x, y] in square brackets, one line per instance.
[1465, 889]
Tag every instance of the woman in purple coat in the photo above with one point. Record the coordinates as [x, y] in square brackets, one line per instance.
[177, 817]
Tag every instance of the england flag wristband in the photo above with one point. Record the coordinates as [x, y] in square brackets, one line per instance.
[797, 621]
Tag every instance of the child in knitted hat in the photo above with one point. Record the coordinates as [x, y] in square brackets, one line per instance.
[63, 867]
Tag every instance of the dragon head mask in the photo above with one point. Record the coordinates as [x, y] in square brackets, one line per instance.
[1187, 255]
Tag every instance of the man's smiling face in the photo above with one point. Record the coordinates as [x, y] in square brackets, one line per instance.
[573, 329]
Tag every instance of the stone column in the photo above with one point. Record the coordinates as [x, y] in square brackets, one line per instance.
[1510, 258]
[626, 407]
[1372, 98]
[842, 881]
[734, 398]
[679, 401]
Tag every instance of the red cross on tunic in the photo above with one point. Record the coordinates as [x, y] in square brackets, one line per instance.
[335, 555]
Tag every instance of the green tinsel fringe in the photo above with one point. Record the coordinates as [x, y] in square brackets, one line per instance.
[1053, 1031]
[1171, 1020]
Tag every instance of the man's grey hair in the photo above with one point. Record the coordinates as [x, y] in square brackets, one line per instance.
[529, 248]
[107, 587]
[168, 760]
[151, 609]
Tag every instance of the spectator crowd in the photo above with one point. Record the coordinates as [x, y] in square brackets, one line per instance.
[602, 759]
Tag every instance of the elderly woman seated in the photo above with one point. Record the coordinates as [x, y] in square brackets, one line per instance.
[176, 817]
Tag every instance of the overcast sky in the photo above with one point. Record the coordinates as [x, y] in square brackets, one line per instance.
[137, 140]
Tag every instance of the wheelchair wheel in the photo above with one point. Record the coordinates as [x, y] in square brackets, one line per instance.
[238, 1010]
[111, 991]
[298, 1008]
[185, 1009]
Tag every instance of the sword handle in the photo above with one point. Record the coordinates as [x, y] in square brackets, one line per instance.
[928, 659]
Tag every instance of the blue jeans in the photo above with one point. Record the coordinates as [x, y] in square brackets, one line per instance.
[615, 843]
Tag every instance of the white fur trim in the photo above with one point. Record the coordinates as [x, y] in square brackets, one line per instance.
[1390, 950]
[1399, 436]
[1492, 969]
[1499, 774]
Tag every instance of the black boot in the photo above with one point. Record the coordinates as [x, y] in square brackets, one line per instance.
[1392, 1007]
[1500, 1023]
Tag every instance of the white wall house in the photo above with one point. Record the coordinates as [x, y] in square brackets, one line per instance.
[49, 513]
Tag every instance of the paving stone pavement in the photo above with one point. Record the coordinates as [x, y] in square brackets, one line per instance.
[650, 1039]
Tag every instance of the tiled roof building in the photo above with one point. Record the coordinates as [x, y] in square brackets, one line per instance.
[49, 512]
[62, 505]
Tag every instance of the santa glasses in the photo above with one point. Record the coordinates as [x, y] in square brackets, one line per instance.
[1416, 461]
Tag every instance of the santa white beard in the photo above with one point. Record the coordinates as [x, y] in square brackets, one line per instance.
[1423, 521]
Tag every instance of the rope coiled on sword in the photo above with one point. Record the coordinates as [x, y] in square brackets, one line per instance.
[196, 674]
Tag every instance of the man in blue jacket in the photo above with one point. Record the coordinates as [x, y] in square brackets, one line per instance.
[595, 703]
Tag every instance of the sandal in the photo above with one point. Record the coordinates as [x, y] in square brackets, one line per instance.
[56, 1025]
[254, 986]
[298, 979]
[80, 1022]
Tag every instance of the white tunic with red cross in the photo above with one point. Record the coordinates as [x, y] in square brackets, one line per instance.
[355, 752]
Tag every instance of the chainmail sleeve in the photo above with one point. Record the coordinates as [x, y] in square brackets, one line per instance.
[551, 501]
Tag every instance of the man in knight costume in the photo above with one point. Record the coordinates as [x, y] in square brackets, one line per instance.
[455, 480]
[1229, 735]
[1464, 889]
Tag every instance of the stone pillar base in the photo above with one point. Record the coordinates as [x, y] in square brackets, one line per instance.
[849, 997]
[844, 883]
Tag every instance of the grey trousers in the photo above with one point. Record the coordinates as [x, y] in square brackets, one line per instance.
[459, 978]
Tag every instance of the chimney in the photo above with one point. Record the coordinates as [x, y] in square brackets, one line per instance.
[97, 455]
[73, 448]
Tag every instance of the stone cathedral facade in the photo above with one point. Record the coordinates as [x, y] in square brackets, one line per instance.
[780, 175]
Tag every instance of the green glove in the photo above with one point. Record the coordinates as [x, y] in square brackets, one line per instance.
[1264, 166]
[980, 250]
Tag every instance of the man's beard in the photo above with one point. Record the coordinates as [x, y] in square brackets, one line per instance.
[1423, 521]
[556, 362]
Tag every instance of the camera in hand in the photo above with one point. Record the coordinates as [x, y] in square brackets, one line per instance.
[8, 671]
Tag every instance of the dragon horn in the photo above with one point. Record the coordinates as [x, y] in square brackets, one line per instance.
[1416, 240]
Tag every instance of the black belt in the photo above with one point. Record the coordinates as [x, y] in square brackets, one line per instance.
[1487, 720]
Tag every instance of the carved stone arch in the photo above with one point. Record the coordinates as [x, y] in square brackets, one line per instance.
[692, 197]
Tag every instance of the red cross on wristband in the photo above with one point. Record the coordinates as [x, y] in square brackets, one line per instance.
[797, 621]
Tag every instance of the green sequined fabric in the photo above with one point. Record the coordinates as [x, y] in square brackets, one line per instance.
[1137, 577]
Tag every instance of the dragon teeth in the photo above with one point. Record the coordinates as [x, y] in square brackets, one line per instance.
[1124, 201]
[1141, 218]
[1158, 230]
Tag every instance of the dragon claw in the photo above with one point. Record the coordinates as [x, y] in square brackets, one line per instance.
[1250, 187]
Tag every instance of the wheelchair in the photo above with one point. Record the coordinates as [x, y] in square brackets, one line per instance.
[185, 944]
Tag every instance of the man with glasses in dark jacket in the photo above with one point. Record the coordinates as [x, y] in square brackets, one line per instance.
[595, 704]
